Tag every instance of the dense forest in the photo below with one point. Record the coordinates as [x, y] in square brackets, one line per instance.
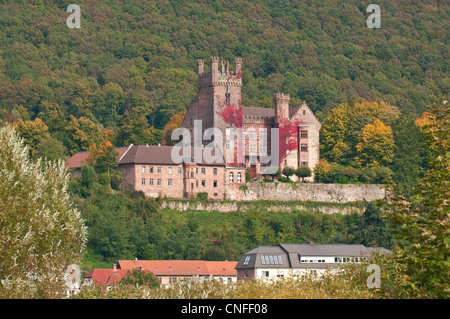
[129, 72]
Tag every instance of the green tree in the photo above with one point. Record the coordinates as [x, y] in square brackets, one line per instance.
[288, 171]
[422, 230]
[41, 232]
[303, 172]
[140, 278]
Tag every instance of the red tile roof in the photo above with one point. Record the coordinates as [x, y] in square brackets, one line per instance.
[182, 267]
[108, 277]
[80, 158]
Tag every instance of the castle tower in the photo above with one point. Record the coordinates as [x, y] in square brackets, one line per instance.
[217, 89]
[281, 102]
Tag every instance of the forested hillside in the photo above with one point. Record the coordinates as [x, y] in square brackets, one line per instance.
[132, 64]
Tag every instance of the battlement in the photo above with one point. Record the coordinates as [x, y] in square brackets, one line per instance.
[281, 97]
[220, 76]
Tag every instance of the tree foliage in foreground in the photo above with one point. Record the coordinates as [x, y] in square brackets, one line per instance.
[41, 233]
[423, 228]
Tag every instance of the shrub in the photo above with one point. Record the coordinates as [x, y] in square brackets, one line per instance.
[203, 196]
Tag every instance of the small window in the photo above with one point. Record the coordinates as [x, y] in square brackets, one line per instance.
[151, 181]
[239, 177]
[304, 112]
[143, 181]
[143, 169]
[303, 134]
[169, 182]
[192, 174]
[180, 170]
[215, 171]
[203, 170]
[304, 164]
[203, 183]
[215, 183]
[247, 259]
[231, 177]
[159, 169]
[169, 170]
[158, 182]
[151, 169]
[304, 147]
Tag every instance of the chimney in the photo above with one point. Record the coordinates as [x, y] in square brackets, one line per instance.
[281, 102]
[114, 268]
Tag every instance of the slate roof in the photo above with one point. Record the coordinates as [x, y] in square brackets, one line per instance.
[154, 154]
[290, 254]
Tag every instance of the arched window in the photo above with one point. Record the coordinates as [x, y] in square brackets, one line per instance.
[231, 177]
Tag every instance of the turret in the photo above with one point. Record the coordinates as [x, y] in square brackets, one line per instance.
[281, 102]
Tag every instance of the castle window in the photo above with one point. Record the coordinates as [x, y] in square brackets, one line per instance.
[151, 169]
[215, 183]
[151, 181]
[263, 134]
[304, 163]
[203, 183]
[231, 177]
[143, 181]
[304, 147]
[158, 182]
[262, 149]
[215, 171]
[252, 149]
[143, 169]
[239, 177]
[169, 170]
[192, 174]
[203, 170]
[159, 169]
[169, 182]
[180, 171]
[227, 144]
[252, 134]
[303, 134]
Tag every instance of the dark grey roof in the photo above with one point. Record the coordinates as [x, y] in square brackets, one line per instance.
[254, 258]
[290, 254]
[154, 154]
[326, 249]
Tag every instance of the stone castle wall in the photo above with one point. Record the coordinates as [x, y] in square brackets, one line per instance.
[331, 193]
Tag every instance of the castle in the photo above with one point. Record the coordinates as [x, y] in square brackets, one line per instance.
[153, 169]
[219, 90]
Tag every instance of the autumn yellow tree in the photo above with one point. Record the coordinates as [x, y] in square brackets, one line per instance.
[103, 156]
[33, 132]
[376, 145]
[175, 122]
[334, 132]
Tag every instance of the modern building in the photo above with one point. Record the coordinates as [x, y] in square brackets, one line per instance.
[287, 260]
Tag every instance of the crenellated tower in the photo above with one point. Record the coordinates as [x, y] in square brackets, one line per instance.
[217, 88]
